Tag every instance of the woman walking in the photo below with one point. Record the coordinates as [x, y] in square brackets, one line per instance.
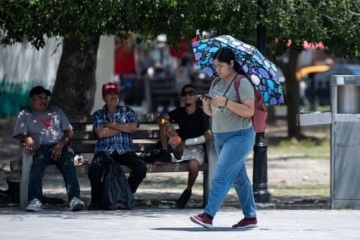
[234, 139]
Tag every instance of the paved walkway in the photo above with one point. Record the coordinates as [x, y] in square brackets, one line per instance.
[175, 224]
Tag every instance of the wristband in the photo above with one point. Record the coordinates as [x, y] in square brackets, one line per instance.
[195, 141]
[226, 102]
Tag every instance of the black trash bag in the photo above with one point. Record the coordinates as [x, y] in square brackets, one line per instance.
[116, 191]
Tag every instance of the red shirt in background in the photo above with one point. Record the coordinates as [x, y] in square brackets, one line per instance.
[178, 50]
[124, 60]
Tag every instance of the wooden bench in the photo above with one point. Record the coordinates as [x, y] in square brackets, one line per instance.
[84, 144]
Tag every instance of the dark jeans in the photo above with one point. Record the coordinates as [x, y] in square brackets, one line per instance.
[100, 162]
[65, 164]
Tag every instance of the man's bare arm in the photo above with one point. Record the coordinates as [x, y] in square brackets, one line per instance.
[66, 139]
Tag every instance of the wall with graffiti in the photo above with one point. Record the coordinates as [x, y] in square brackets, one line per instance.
[21, 68]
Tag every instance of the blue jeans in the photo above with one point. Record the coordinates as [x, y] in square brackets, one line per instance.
[65, 164]
[232, 149]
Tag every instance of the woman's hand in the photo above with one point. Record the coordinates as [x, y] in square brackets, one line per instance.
[205, 99]
[219, 101]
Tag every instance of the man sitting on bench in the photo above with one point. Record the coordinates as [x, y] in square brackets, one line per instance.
[188, 144]
[46, 133]
[114, 126]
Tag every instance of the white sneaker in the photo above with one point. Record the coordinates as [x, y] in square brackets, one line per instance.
[76, 204]
[34, 206]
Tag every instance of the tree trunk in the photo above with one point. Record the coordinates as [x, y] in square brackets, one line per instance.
[75, 84]
[292, 95]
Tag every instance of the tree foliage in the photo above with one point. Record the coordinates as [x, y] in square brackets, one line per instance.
[333, 22]
[287, 22]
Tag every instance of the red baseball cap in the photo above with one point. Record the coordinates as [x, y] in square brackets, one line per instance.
[110, 87]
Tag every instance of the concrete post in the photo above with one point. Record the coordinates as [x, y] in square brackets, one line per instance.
[26, 161]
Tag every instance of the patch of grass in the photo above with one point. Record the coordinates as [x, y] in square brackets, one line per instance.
[282, 108]
[308, 148]
[301, 190]
[297, 190]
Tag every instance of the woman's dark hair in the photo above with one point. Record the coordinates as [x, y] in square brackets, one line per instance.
[226, 55]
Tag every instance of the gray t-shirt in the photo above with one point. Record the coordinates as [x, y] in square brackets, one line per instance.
[229, 121]
[45, 128]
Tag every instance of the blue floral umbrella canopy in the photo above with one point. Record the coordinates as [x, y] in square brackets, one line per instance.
[261, 71]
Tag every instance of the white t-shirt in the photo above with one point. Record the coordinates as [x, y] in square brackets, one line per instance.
[45, 128]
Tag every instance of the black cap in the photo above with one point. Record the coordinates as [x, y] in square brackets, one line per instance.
[38, 90]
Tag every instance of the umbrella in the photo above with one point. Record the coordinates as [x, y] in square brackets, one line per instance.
[311, 69]
[260, 70]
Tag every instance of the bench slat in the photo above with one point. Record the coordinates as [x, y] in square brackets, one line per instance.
[80, 119]
[151, 168]
[87, 119]
[139, 134]
[85, 147]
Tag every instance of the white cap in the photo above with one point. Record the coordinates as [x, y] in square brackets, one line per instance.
[162, 38]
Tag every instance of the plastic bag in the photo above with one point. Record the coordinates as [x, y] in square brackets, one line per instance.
[116, 193]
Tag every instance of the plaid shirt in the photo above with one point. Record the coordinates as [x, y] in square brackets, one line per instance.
[121, 142]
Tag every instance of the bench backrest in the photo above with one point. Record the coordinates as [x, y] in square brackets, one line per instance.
[85, 139]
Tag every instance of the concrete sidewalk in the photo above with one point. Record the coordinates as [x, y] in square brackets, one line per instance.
[172, 224]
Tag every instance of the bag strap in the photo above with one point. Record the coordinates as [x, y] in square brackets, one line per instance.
[237, 85]
[216, 81]
[258, 99]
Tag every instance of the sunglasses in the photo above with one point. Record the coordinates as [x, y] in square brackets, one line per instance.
[190, 93]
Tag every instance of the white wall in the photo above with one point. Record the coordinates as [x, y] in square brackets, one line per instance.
[21, 63]
[105, 67]
[24, 66]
